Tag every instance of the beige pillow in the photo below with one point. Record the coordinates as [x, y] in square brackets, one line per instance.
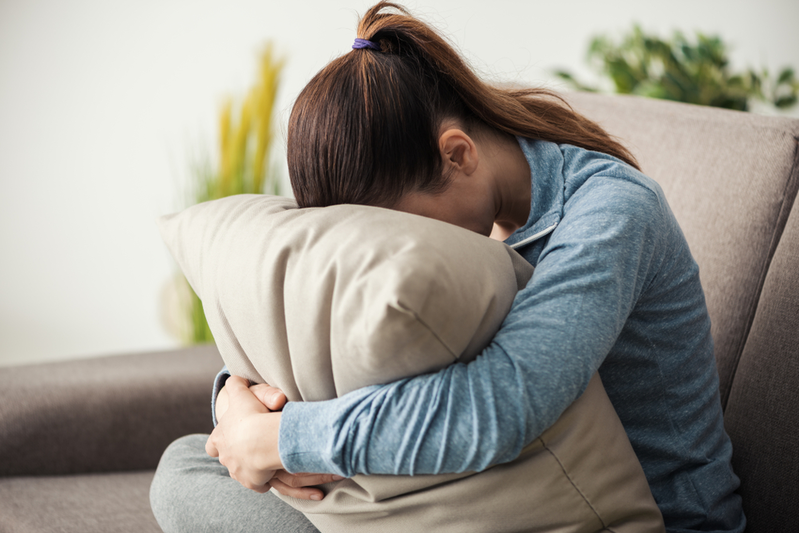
[321, 301]
[324, 301]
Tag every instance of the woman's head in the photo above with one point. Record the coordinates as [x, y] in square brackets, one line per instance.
[363, 130]
[366, 128]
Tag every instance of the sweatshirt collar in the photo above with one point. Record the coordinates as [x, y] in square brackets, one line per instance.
[546, 201]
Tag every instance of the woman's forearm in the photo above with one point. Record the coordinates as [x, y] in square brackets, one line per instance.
[425, 425]
[470, 416]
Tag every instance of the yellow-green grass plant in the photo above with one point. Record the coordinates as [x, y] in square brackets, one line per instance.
[246, 134]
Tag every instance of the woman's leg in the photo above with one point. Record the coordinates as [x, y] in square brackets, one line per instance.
[192, 492]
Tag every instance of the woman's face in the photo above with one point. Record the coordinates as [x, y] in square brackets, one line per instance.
[468, 199]
[465, 208]
[488, 181]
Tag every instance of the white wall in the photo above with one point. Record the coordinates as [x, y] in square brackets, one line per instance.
[103, 103]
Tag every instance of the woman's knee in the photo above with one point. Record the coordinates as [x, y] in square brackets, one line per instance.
[173, 492]
[192, 492]
[188, 448]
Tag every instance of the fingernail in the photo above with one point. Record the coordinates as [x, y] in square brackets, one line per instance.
[316, 496]
[276, 396]
[337, 478]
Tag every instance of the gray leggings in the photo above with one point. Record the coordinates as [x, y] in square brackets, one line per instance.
[192, 492]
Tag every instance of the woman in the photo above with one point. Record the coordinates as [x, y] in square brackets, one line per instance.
[401, 122]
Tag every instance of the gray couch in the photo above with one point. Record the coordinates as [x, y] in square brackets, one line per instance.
[79, 440]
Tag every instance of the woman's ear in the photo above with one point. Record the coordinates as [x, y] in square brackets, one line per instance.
[458, 151]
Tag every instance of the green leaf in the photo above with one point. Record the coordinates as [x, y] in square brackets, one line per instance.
[785, 102]
[786, 76]
[687, 70]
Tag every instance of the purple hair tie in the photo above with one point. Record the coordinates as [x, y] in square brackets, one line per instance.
[365, 43]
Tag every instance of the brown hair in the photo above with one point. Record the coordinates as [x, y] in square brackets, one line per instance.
[365, 128]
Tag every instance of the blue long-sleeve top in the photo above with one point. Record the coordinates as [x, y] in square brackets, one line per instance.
[615, 289]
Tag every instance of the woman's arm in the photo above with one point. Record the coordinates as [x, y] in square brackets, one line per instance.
[588, 277]
[469, 416]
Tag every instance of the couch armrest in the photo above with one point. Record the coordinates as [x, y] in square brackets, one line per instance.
[105, 414]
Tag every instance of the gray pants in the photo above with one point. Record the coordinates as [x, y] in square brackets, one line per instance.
[192, 492]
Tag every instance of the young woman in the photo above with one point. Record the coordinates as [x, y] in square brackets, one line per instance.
[401, 122]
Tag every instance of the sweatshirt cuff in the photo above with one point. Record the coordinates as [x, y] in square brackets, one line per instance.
[219, 382]
[303, 427]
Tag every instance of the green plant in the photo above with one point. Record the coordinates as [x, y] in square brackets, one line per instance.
[245, 140]
[677, 69]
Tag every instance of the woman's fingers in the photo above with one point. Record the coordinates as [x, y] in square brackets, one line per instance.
[304, 479]
[236, 385]
[302, 493]
[222, 402]
[210, 447]
[258, 488]
[273, 398]
[301, 485]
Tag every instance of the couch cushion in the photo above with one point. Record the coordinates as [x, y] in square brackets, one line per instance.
[103, 414]
[92, 503]
[762, 414]
[730, 178]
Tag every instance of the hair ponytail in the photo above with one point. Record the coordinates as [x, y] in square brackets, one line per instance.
[365, 128]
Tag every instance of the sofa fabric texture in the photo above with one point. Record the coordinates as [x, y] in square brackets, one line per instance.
[102, 415]
[761, 416]
[79, 440]
[731, 179]
[102, 502]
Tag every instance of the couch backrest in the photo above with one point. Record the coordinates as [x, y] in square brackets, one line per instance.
[730, 178]
[106, 414]
[762, 415]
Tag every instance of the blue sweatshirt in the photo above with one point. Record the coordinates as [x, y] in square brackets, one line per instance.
[615, 289]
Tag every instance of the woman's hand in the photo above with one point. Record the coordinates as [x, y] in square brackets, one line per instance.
[295, 485]
[246, 438]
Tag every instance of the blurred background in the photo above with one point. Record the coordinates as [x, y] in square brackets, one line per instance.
[106, 107]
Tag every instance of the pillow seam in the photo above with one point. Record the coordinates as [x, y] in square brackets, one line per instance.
[432, 332]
